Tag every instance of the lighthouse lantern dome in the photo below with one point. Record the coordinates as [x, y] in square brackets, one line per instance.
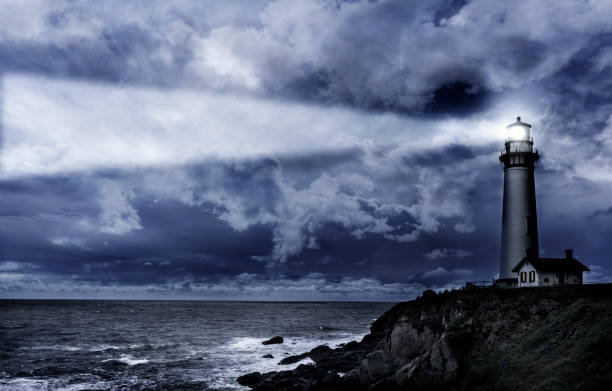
[519, 131]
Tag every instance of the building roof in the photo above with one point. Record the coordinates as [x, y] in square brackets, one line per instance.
[519, 123]
[553, 264]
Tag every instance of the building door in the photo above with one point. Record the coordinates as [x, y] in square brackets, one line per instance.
[561, 278]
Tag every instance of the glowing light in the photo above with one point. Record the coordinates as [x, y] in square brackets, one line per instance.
[52, 125]
[518, 132]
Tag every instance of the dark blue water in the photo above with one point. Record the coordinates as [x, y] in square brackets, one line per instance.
[162, 345]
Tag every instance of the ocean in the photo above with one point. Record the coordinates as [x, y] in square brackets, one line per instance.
[163, 345]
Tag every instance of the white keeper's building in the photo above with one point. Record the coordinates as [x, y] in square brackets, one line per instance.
[536, 271]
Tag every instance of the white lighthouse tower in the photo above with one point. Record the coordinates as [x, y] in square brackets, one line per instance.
[519, 219]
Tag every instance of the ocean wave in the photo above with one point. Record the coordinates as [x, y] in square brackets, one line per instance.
[136, 346]
[244, 343]
[104, 347]
[24, 384]
[245, 354]
[67, 348]
[72, 348]
[124, 359]
[173, 351]
[29, 384]
[302, 344]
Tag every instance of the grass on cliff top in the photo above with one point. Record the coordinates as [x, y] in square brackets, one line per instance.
[570, 349]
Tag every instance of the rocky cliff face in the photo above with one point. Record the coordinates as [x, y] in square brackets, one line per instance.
[487, 339]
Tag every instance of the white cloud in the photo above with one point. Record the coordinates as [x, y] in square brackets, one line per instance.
[269, 47]
[52, 126]
[65, 241]
[246, 193]
[437, 253]
[63, 21]
[438, 272]
[83, 126]
[215, 55]
[440, 253]
[513, 45]
[11, 266]
[118, 216]
[24, 19]
[346, 200]
[59, 126]
[597, 164]
[303, 212]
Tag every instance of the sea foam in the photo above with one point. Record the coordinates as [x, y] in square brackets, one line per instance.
[128, 360]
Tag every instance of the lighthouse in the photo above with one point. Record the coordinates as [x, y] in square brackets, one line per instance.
[519, 219]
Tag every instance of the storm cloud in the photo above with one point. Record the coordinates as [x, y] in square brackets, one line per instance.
[318, 149]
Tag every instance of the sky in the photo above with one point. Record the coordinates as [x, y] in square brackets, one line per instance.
[293, 150]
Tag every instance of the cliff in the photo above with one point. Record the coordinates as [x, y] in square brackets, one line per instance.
[485, 339]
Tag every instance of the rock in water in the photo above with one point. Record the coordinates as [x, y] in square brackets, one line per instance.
[293, 359]
[267, 356]
[250, 379]
[273, 340]
[314, 354]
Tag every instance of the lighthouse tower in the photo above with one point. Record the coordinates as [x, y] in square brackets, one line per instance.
[519, 219]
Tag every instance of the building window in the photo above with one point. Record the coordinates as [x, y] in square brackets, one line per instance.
[532, 276]
[546, 279]
[523, 276]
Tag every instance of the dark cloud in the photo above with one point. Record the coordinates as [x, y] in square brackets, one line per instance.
[437, 57]
[183, 235]
[457, 98]
[601, 213]
[442, 157]
[367, 219]
[114, 58]
[447, 10]
[216, 218]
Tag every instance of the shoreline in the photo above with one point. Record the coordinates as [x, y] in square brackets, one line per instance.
[456, 340]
